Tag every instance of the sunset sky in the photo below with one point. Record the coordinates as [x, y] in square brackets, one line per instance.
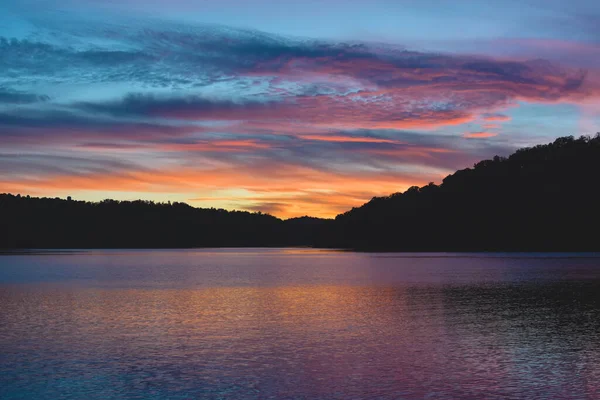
[286, 107]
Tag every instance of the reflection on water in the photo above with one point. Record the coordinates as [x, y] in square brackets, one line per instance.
[180, 325]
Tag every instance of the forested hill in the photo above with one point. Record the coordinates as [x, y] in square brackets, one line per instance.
[56, 223]
[544, 198]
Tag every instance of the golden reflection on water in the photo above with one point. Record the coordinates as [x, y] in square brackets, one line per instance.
[321, 341]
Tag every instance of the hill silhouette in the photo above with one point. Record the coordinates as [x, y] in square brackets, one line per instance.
[29, 222]
[543, 198]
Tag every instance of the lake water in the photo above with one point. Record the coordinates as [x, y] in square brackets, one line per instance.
[298, 324]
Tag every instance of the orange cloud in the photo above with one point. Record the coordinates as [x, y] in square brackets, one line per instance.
[491, 126]
[479, 135]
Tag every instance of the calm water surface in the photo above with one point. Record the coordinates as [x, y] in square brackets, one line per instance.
[298, 324]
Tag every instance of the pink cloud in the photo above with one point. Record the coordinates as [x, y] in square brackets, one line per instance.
[347, 139]
[479, 135]
[491, 126]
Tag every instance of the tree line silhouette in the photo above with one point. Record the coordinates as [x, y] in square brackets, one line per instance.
[543, 198]
[56, 223]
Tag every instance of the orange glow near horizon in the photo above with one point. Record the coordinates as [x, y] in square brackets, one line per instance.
[285, 192]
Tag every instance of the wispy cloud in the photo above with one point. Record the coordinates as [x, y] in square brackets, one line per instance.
[479, 135]
[290, 126]
[495, 117]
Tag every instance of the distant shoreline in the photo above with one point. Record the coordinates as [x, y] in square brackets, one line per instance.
[378, 254]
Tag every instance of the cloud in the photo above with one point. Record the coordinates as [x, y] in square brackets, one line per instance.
[33, 167]
[359, 77]
[346, 139]
[496, 117]
[291, 185]
[217, 146]
[262, 182]
[289, 126]
[56, 126]
[320, 110]
[491, 126]
[479, 135]
[16, 97]
[153, 106]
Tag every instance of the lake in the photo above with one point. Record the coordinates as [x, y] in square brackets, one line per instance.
[298, 324]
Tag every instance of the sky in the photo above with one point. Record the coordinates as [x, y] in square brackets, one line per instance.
[286, 107]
